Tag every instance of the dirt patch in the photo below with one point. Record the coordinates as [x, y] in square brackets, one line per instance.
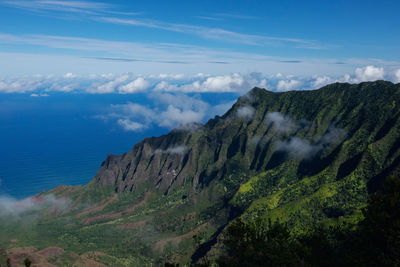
[18, 255]
[97, 207]
[90, 259]
[138, 205]
[39, 258]
[102, 217]
[51, 252]
[132, 225]
[159, 245]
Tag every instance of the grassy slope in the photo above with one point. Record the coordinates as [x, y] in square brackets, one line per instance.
[148, 226]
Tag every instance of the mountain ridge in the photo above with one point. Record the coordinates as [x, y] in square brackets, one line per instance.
[303, 157]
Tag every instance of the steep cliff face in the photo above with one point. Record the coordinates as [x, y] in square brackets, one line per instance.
[311, 129]
[303, 157]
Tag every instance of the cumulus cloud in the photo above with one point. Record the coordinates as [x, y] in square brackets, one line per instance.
[167, 110]
[172, 150]
[397, 76]
[246, 112]
[321, 81]
[69, 75]
[165, 86]
[282, 124]
[369, 73]
[22, 84]
[288, 85]
[129, 125]
[109, 87]
[137, 85]
[171, 76]
[14, 209]
[235, 82]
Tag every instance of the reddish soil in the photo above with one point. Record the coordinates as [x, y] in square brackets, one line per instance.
[159, 245]
[138, 205]
[51, 252]
[132, 225]
[102, 217]
[89, 259]
[97, 207]
[39, 258]
[111, 215]
[18, 255]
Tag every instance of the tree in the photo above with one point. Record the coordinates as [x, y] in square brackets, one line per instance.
[259, 244]
[27, 262]
[377, 240]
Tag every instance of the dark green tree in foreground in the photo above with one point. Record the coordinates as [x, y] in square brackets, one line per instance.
[375, 242]
[259, 244]
[27, 262]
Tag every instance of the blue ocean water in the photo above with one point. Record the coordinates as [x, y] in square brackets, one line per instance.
[60, 140]
[48, 141]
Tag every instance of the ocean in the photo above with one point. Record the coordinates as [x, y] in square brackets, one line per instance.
[57, 140]
[62, 139]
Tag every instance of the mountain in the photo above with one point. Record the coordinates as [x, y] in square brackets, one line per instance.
[303, 157]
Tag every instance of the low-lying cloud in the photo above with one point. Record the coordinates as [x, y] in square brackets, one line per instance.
[282, 124]
[303, 148]
[13, 209]
[246, 112]
[172, 150]
[166, 110]
[129, 83]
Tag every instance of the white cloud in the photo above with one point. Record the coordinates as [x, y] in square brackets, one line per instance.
[137, 85]
[69, 75]
[282, 124]
[369, 73]
[172, 150]
[246, 112]
[301, 148]
[234, 82]
[321, 81]
[288, 85]
[174, 116]
[397, 75]
[12, 209]
[39, 95]
[21, 85]
[171, 76]
[129, 125]
[109, 87]
[166, 87]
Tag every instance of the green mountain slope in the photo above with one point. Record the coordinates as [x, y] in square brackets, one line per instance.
[303, 157]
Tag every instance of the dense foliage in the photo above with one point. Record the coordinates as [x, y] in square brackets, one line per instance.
[374, 242]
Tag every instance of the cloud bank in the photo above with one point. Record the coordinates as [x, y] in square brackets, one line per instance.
[130, 83]
[13, 209]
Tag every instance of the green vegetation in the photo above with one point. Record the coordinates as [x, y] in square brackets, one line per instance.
[306, 158]
[375, 241]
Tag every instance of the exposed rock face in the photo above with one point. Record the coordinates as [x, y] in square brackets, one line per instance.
[304, 157]
[260, 132]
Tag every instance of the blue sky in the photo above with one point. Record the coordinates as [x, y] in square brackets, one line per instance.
[173, 53]
[217, 37]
